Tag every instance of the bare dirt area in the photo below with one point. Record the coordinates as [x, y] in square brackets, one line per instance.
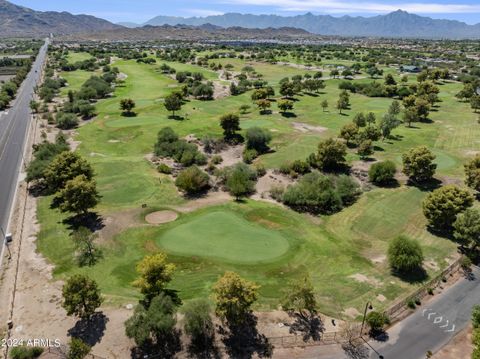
[118, 222]
[267, 182]
[161, 217]
[306, 128]
[458, 348]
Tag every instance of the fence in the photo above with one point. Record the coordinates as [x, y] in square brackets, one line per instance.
[393, 312]
[397, 308]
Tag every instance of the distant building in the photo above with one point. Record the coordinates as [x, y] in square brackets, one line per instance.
[411, 69]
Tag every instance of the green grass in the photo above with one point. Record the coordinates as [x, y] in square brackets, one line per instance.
[224, 236]
[75, 80]
[78, 56]
[265, 243]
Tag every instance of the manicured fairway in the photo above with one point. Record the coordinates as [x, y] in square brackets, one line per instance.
[263, 242]
[224, 236]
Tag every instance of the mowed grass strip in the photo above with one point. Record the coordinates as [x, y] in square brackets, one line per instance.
[224, 236]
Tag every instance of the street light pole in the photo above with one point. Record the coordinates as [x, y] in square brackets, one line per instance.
[367, 307]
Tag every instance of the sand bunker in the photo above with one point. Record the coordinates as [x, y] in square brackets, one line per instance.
[161, 217]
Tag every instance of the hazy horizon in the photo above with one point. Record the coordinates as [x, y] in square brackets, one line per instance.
[143, 10]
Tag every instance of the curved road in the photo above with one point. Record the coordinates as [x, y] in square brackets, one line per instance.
[14, 125]
[434, 324]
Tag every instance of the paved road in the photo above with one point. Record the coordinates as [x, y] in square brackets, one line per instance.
[434, 324]
[14, 125]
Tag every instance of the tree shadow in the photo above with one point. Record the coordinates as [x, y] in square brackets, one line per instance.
[310, 326]
[168, 347]
[91, 330]
[90, 220]
[356, 351]
[129, 114]
[204, 348]
[426, 186]
[243, 341]
[289, 115]
[418, 275]
[378, 149]
[380, 335]
[176, 117]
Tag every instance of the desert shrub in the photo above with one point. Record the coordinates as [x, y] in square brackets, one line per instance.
[66, 120]
[382, 172]
[23, 352]
[249, 155]
[192, 180]
[164, 168]
[317, 193]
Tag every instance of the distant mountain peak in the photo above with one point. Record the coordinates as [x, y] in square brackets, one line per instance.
[399, 24]
[20, 21]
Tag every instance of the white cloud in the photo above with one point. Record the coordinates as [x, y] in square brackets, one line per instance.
[349, 6]
[203, 12]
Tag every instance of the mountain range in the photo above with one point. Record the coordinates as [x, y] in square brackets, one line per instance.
[19, 21]
[396, 24]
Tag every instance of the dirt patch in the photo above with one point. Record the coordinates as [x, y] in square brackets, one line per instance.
[379, 259]
[306, 128]
[381, 298]
[231, 156]
[121, 76]
[161, 217]
[212, 199]
[116, 223]
[459, 347]
[364, 279]
[265, 184]
[220, 90]
[431, 264]
[352, 312]
[472, 153]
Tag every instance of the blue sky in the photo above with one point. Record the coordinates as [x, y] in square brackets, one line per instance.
[142, 10]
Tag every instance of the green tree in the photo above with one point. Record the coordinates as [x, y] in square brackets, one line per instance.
[472, 174]
[234, 297]
[154, 275]
[476, 316]
[199, 325]
[418, 164]
[127, 105]
[376, 321]
[324, 105]
[65, 167]
[263, 105]
[360, 119]
[467, 228]
[285, 105]
[349, 132]
[78, 196]
[330, 155]
[475, 103]
[300, 298]
[152, 327]
[388, 123]
[240, 180]
[81, 296]
[87, 252]
[382, 173]
[442, 206]
[287, 89]
[78, 349]
[230, 124]
[34, 106]
[173, 103]
[365, 149]
[405, 255]
[258, 139]
[192, 180]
